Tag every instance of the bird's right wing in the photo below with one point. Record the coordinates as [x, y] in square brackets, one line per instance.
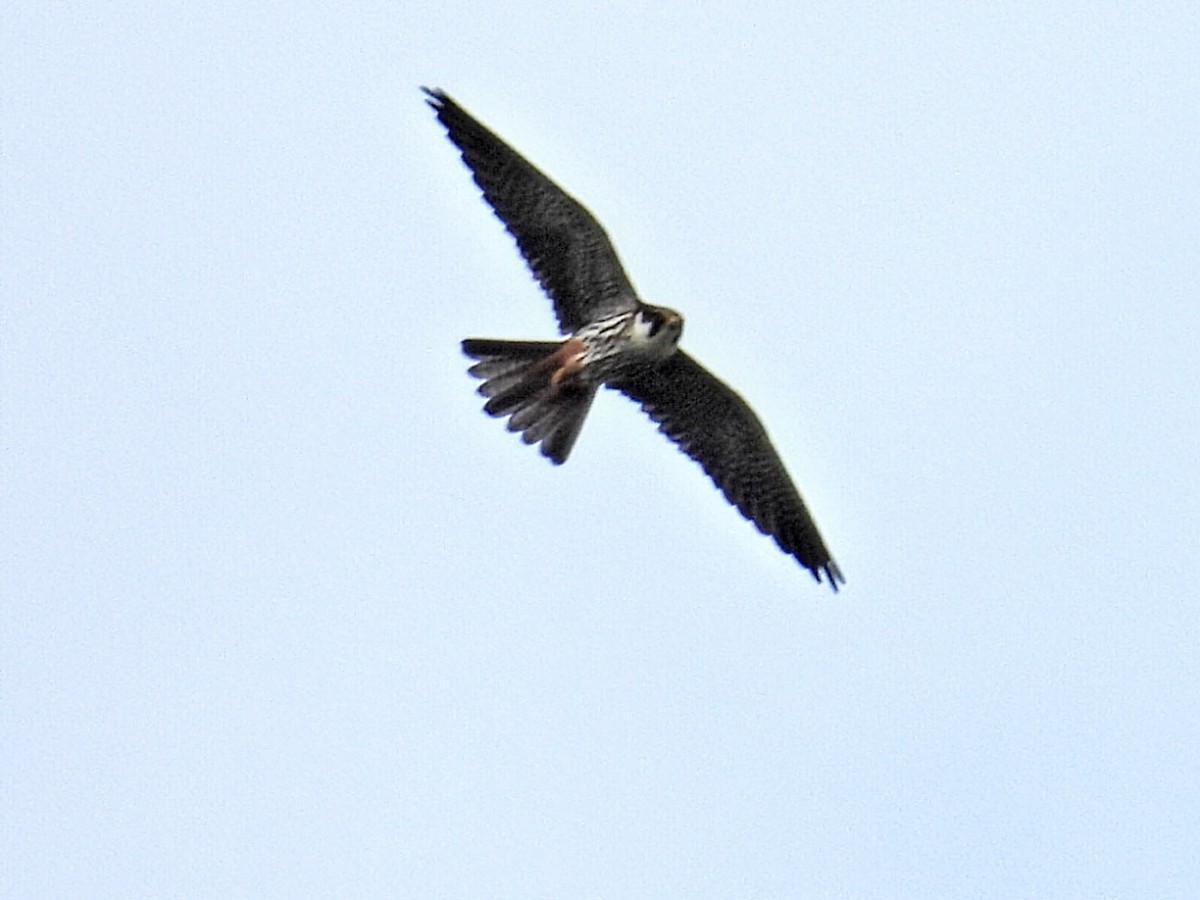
[716, 427]
[563, 244]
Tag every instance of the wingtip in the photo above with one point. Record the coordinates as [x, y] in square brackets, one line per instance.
[435, 97]
[833, 573]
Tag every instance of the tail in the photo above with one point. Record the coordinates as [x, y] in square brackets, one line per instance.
[518, 380]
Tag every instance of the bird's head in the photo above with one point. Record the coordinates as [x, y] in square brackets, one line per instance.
[657, 328]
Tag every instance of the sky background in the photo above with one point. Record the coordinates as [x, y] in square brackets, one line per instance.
[285, 615]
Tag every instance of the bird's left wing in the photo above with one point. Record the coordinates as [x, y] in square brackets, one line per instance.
[715, 427]
[563, 244]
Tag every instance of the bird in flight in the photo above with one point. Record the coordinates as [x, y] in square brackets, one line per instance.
[614, 339]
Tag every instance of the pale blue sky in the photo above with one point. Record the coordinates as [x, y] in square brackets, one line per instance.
[285, 615]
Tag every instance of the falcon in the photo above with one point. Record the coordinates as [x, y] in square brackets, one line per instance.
[614, 339]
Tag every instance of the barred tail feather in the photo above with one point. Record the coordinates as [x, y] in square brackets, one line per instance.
[517, 382]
